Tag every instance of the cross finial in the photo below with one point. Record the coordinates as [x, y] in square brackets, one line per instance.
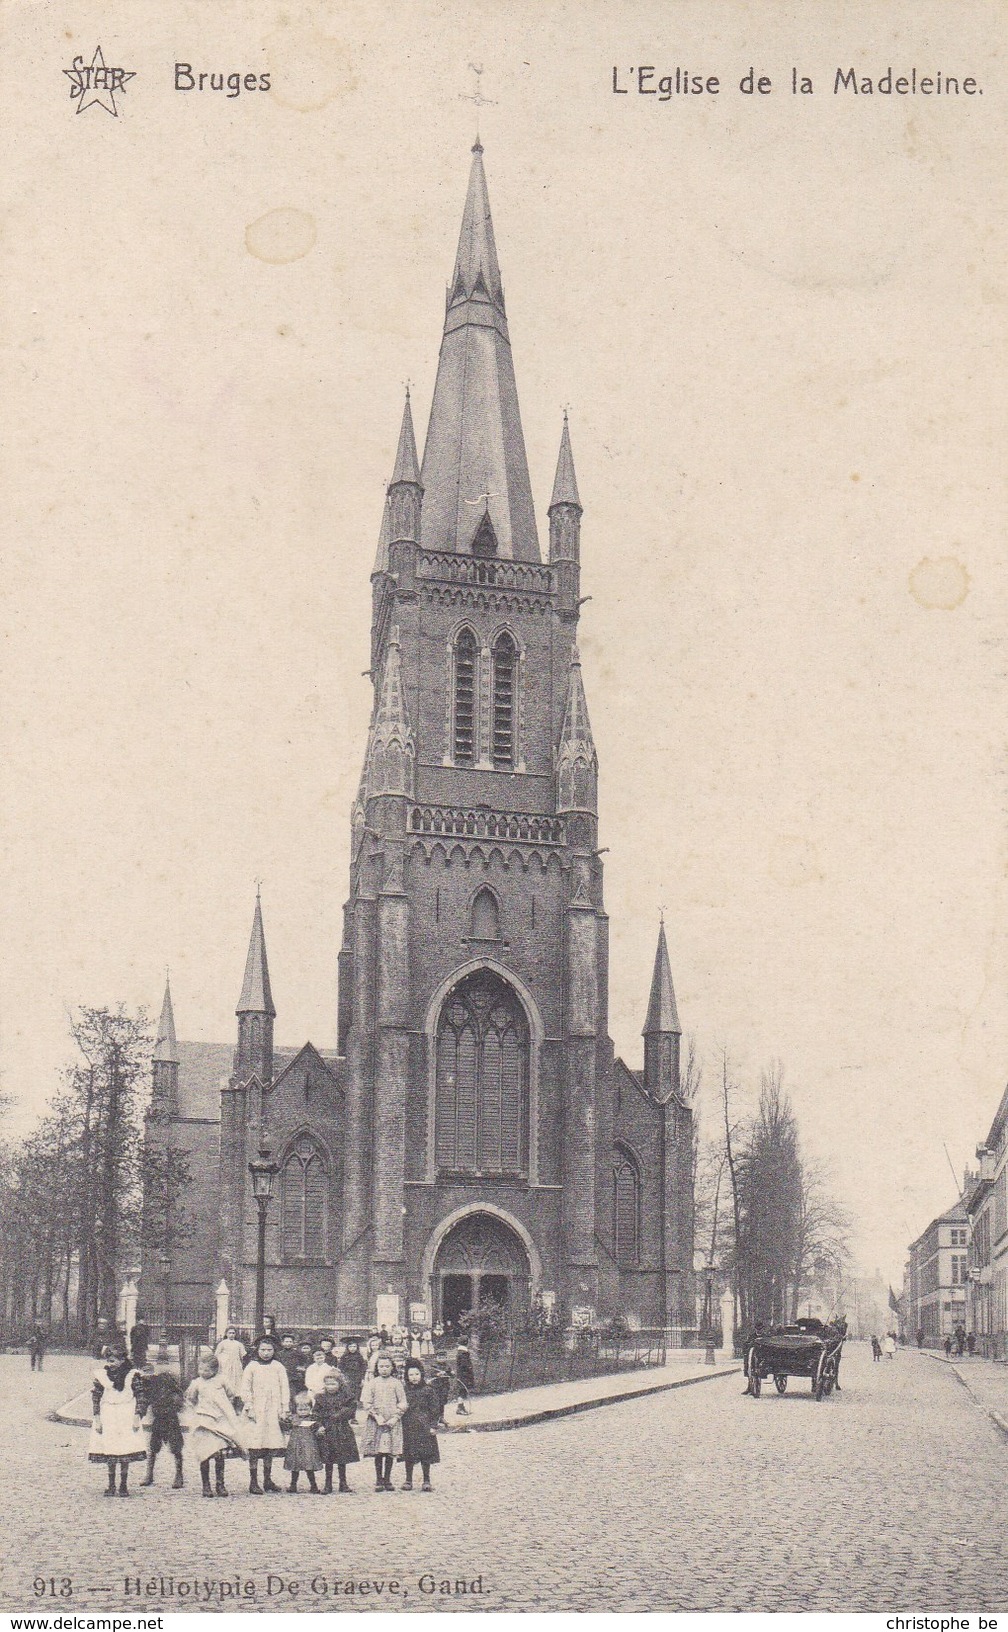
[479, 99]
[258, 885]
[661, 917]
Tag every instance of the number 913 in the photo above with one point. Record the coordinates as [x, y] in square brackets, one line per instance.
[52, 1586]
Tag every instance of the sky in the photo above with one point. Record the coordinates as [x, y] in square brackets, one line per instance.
[777, 322]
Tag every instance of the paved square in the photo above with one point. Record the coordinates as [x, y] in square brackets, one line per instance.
[890, 1496]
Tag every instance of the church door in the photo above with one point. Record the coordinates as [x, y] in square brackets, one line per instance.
[480, 1262]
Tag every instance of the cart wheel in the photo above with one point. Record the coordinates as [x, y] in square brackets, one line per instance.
[818, 1387]
[756, 1383]
[780, 1383]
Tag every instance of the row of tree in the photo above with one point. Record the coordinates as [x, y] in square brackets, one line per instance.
[767, 1223]
[80, 1190]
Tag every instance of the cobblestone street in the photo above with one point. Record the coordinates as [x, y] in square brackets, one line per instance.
[890, 1496]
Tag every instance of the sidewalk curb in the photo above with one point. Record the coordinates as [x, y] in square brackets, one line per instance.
[1000, 1422]
[552, 1412]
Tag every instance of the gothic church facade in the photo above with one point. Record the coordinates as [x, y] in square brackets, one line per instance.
[473, 1135]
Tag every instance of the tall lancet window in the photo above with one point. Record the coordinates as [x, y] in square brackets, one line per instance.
[505, 665]
[481, 1089]
[464, 685]
[626, 1210]
[304, 1186]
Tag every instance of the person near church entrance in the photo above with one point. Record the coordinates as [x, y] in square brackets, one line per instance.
[353, 1365]
[419, 1424]
[383, 1400]
[231, 1357]
[215, 1430]
[117, 1438]
[161, 1394]
[266, 1392]
[335, 1409]
[876, 1348]
[464, 1376]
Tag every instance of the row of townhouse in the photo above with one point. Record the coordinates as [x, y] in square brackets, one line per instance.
[985, 1202]
[936, 1279]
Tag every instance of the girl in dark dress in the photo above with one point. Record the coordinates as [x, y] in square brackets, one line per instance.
[353, 1365]
[419, 1425]
[335, 1409]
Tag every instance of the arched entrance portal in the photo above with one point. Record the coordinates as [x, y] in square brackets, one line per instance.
[481, 1260]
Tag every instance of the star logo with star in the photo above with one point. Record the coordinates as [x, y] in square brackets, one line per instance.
[94, 84]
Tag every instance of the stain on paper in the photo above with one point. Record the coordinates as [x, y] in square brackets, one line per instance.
[795, 860]
[280, 236]
[939, 583]
[308, 69]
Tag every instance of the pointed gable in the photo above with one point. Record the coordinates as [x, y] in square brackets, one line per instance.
[474, 455]
[166, 1048]
[256, 996]
[662, 1014]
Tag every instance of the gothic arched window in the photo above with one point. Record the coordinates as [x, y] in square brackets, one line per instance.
[304, 1188]
[505, 666]
[484, 919]
[464, 698]
[626, 1210]
[482, 1074]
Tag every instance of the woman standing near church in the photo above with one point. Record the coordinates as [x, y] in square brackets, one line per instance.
[266, 1391]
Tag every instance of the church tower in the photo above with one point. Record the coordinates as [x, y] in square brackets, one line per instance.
[473, 1002]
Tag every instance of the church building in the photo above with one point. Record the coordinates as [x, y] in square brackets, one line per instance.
[472, 1136]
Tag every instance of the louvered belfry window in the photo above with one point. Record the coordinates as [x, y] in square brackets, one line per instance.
[505, 663]
[304, 1186]
[481, 1079]
[464, 727]
[626, 1210]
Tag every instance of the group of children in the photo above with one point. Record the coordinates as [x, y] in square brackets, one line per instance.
[300, 1403]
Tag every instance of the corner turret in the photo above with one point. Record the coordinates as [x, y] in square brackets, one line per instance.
[255, 1011]
[165, 1068]
[565, 527]
[662, 1031]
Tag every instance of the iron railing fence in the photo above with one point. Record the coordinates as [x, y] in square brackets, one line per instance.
[529, 1360]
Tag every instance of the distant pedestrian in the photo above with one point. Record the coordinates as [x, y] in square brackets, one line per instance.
[971, 1343]
[890, 1346]
[876, 1348]
[37, 1340]
[419, 1424]
[948, 1347]
[464, 1376]
[215, 1430]
[335, 1409]
[139, 1343]
[161, 1397]
[117, 1438]
[960, 1337]
[920, 1337]
[383, 1400]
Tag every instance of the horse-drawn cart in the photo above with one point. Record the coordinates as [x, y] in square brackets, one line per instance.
[810, 1349]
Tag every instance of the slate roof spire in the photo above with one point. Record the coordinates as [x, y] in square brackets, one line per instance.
[662, 1014]
[166, 1047]
[407, 466]
[474, 457]
[565, 488]
[256, 997]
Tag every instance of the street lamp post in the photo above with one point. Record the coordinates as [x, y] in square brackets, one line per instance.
[166, 1281]
[263, 1172]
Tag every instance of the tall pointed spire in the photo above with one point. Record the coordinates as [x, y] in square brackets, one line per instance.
[474, 458]
[166, 1048]
[565, 488]
[662, 1014]
[407, 466]
[384, 537]
[392, 752]
[576, 759]
[256, 997]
